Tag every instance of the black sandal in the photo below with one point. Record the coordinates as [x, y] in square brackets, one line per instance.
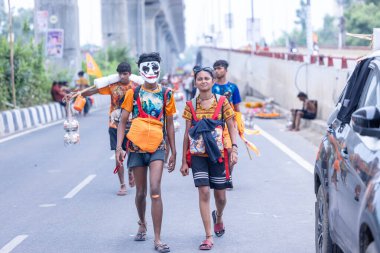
[161, 247]
[219, 228]
[141, 236]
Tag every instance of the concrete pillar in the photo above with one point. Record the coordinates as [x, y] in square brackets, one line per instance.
[135, 13]
[114, 22]
[150, 28]
[63, 14]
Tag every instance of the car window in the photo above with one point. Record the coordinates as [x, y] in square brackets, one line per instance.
[371, 92]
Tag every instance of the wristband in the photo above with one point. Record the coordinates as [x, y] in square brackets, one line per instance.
[118, 149]
[234, 145]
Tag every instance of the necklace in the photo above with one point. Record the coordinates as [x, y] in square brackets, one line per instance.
[205, 99]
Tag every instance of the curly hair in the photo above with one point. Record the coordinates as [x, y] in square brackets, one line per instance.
[124, 67]
[154, 56]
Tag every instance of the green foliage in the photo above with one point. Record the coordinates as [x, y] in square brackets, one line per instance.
[328, 35]
[301, 14]
[361, 18]
[31, 81]
[109, 58]
[297, 36]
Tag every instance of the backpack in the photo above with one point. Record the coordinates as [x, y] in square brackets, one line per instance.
[197, 146]
[147, 131]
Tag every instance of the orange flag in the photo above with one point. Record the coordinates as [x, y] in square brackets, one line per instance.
[92, 67]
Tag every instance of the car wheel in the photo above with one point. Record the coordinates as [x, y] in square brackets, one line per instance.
[323, 243]
[371, 248]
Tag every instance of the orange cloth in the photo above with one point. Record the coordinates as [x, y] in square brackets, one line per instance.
[201, 113]
[117, 92]
[152, 103]
[170, 108]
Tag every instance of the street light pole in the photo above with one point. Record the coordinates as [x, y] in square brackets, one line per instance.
[11, 54]
[309, 31]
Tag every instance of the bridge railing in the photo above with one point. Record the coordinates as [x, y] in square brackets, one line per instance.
[339, 62]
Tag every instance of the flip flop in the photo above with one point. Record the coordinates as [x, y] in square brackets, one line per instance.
[141, 236]
[206, 245]
[122, 192]
[219, 229]
[161, 247]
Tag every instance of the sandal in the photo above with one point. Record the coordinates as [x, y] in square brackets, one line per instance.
[122, 192]
[161, 247]
[141, 236]
[219, 229]
[206, 244]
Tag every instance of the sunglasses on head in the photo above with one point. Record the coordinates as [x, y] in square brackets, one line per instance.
[198, 69]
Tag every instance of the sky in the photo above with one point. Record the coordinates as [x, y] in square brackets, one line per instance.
[200, 15]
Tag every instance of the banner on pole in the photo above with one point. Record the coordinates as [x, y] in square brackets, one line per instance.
[54, 43]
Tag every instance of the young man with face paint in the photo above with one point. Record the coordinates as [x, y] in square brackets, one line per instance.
[226, 88]
[208, 173]
[117, 92]
[149, 99]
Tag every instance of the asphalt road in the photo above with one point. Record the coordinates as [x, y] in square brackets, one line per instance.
[63, 199]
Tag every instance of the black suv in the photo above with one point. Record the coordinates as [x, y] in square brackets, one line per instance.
[346, 174]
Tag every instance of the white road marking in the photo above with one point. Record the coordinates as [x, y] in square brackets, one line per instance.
[13, 244]
[47, 205]
[79, 187]
[13, 136]
[297, 158]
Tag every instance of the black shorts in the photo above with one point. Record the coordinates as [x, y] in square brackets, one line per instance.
[113, 139]
[206, 173]
[306, 114]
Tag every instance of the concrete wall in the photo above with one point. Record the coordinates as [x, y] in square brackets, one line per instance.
[18, 120]
[276, 78]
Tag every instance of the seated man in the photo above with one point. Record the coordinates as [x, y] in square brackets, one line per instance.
[308, 111]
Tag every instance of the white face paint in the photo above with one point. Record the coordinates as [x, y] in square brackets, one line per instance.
[150, 71]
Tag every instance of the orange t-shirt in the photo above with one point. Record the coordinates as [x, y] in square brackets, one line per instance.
[152, 103]
[117, 92]
[202, 113]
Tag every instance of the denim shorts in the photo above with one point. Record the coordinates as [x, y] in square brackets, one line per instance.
[144, 159]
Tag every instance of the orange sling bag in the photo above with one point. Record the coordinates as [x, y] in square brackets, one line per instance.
[147, 131]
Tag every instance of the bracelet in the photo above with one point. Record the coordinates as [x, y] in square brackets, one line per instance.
[234, 145]
[119, 149]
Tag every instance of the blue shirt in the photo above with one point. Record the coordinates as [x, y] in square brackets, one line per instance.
[221, 89]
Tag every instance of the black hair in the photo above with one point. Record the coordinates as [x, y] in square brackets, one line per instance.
[302, 95]
[154, 56]
[81, 73]
[198, 69]
[220, 63]
[124, 67]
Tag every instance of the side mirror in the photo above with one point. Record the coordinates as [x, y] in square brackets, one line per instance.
[366, 121]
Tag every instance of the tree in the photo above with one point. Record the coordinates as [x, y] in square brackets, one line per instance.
[31, 81]
[361, 18]
[328, 35]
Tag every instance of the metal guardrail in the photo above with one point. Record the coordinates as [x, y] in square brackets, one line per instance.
[322, 60]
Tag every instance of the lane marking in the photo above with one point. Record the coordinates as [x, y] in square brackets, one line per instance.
[79, 187]
[13, 136]
[47, 205]
[297, 158]
[13, 244]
